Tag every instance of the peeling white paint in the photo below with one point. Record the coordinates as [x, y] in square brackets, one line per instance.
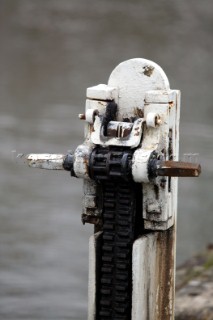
[102, 92]
[93, 255]
[140, 165]
[133, 83]
[153, 279]
[81, 161]
[45, 161]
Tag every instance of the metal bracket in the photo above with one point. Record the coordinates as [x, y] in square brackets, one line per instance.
[126, 134]
[161, 139]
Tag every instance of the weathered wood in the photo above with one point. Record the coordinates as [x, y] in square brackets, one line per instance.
[153, 276]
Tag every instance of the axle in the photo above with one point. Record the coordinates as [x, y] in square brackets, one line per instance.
[124, 159]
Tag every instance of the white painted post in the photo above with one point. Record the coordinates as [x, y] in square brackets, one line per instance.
[154, 276]
[93, 254]
[141, 89]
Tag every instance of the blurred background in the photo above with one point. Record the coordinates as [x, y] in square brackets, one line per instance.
[50, 52]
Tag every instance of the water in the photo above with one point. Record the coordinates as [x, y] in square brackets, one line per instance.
[51, 51]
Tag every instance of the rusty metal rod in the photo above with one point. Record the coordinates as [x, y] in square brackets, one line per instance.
[178, 169]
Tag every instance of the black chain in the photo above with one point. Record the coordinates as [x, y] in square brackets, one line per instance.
[121, 202]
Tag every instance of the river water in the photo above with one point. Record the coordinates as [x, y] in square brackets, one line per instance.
[50, 52]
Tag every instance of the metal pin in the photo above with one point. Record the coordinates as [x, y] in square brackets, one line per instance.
[82, 116]
[43, 161]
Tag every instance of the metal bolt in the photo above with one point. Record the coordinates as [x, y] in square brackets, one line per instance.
[158, 120]
[81, 116]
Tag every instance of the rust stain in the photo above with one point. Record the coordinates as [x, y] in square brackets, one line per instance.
[90, 219]
[138, 112]
[118, 132]
[91, 128]
[126, 132]
[179, 169]
[148, 70]
[137, 133]
[171, 104]
[82, 116]
[165, 276]
[111, 132]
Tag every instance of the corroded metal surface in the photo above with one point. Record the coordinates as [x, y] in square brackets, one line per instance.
[178, 169]
[129, 134]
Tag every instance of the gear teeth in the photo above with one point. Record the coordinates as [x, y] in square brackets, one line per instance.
[105, 313]
[111, 168]
[107, 248]
[106, 291]
[106, 258]
[108, 227]
[106, 280]
[107, 269]
[115, 288]
[108, 236]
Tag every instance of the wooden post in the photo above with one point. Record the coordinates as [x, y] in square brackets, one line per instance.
[154, 276]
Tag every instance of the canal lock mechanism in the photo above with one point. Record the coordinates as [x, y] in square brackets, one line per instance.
[129, 166]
